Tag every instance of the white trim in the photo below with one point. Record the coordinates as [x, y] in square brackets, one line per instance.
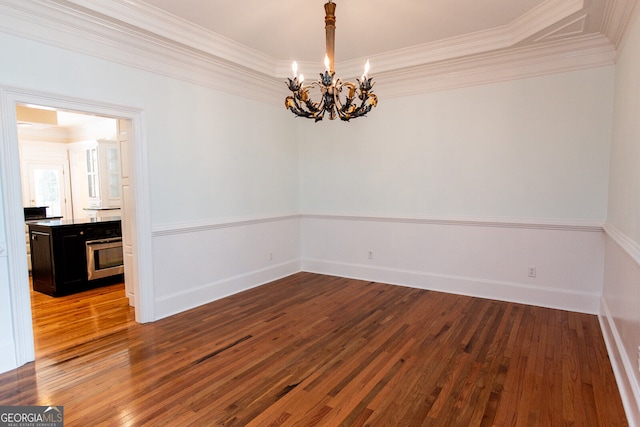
[233, 68]
[194, 297]
[65, 27]
[479, 45]
[214, 224]
[625, 242]
[12, 196]
[174, 28]
[529, 223]
[568, 28]
[536, 223]
[145, 293]
[560, 51]
[617, 16]
[623, 368]
[157, 21]
[14, 229]
[563, 299]
[517, 63]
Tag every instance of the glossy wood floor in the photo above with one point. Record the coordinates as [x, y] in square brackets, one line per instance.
[318, 350]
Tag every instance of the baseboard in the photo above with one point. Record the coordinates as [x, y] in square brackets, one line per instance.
[622, 366]
[563, 299]
[194, 297]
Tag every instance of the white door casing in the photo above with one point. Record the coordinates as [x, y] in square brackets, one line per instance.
[127, 206]
[15, 249]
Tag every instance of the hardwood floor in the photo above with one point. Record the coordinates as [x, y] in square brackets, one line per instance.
[318, 350]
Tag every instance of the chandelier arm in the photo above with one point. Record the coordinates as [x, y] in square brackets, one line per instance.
[300, 99]
[317, 109]
[349, 110]
[302, 112]
[291, 102]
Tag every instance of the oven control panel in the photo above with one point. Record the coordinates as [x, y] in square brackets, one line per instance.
[103, 232]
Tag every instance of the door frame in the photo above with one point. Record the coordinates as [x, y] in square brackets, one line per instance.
[14, 215]
[67, 203]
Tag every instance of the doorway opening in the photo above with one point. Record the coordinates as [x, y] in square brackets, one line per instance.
[45, 186]
[71, 169]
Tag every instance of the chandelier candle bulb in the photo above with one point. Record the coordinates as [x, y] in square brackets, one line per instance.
[332, 100]
[294, 67]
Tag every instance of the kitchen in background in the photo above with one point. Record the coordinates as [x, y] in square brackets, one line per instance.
[70, 166]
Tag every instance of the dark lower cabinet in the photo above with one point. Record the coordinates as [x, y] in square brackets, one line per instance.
[42, 262]
[59, 253]
[58, 259]
[73, 273]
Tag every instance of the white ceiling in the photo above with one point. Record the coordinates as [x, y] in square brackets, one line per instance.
[247, 46]
[294, 29]
[67, 119]
[266, 36]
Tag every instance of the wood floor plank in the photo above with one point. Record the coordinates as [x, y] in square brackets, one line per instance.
[318, 350]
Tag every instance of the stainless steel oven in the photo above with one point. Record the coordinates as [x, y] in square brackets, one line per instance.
[104, 258]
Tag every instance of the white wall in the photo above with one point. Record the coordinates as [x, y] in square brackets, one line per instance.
[489, 260]
[211, 154]
[464, 190]
[213, 158]
[620, 315]
[529, 148]
[460, 190]
[217, 260]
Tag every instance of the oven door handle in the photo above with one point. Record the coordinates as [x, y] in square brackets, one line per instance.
[103, 241]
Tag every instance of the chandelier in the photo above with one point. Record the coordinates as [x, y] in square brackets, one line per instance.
[358, 100]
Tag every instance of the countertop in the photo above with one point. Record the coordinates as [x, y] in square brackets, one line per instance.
[67, 222]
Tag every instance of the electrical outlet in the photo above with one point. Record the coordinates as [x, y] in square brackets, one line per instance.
[370, 255]
[532, 271]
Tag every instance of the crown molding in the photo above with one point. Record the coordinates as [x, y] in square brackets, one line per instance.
[479, 42]
[468, 60]
[156, 21]
[574, 27]
[531, 61]
[617, 16]
[60, 25]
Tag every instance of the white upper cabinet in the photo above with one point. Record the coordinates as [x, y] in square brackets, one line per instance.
[95, 172]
